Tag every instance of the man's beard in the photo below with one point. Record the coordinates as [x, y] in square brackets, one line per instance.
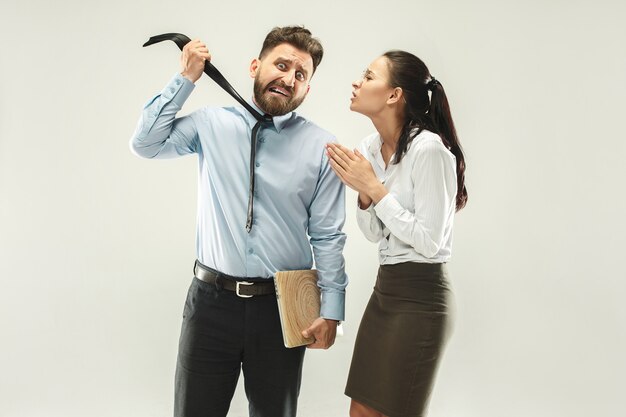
[275, 106]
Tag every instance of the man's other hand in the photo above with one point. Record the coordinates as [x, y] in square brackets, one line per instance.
[323, 331]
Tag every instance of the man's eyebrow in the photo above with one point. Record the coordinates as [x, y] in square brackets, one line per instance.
[291, 61]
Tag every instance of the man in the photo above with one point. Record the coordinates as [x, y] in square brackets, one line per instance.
[297, 219]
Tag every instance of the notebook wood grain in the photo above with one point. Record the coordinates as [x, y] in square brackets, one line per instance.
[298, 298]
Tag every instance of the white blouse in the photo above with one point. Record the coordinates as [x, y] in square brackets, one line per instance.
[413, 223]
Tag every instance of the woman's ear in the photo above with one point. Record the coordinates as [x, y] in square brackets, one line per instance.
[395, 96]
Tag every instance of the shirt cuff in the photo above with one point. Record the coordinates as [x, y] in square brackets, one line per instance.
[365, 215]
[333, 305]
[388, 208]
[178, 90]
[358, 204]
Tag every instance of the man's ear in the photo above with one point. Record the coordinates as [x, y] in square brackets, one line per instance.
[395, 95]
[254, 67]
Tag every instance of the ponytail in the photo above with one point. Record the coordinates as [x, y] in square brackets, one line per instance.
[442, 124]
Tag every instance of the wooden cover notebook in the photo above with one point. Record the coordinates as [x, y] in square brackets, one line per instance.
[298, 299]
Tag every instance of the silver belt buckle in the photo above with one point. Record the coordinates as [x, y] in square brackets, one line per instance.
[237, 289]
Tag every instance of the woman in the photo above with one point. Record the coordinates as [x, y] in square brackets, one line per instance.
[410, 180]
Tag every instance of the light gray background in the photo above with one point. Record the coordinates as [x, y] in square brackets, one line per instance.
[97, 245]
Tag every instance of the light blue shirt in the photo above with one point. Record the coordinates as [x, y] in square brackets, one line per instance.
[299, 203]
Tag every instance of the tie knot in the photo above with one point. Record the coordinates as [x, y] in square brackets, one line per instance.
[266, 121]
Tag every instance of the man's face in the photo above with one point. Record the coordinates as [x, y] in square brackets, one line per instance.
[281, 79]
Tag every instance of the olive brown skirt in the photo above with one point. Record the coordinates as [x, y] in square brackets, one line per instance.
[401, 339]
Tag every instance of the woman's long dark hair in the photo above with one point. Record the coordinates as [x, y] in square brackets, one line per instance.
[411, 74]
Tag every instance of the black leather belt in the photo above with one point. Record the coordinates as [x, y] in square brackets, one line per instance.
[244, 289]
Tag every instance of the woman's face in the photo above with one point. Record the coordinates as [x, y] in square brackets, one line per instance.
[372, 90]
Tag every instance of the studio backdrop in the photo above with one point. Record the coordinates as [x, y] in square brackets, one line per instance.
[97, 245]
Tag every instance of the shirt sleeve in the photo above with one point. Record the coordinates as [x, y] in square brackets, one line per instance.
[369, 223]
[434, 188]
[159, 134]
[326, 219]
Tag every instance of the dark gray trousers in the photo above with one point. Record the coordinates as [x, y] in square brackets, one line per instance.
[223, 334]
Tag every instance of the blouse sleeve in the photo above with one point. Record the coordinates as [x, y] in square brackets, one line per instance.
[369, 223]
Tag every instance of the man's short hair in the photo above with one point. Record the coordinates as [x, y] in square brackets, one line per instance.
[296, 36]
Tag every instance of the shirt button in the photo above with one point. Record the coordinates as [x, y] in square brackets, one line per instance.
[261, 140]
[172, 89]
[177, 82]
[250, 250]
[258, 164]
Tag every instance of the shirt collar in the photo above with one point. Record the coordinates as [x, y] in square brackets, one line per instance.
[279, 122]
[375, 145]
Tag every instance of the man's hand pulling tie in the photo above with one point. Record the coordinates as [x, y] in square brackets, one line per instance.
[192, 60]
